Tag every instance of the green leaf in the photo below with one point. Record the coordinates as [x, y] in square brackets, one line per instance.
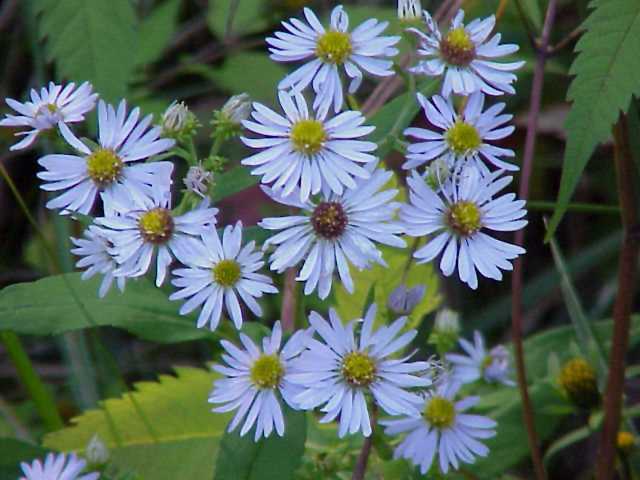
[606, 78]
[13, 452]
[249, 17]
[251, 72]
[587, 341]
[52, 305]
[386, 279]
[233, 181]
[156, 31]
[392, 119]
[241, 458]
[531, 9]
[163, 430]
[91, 40]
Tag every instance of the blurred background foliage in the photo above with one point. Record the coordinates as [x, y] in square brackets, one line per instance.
[153, 52]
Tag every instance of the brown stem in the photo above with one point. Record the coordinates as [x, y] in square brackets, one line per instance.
[289, 301]
[566, 41]
[363, 458]
[627, 269]
[516, 279]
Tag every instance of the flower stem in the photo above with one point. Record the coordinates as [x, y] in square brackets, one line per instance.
[42, 398]
[517, 277]
[627, 272]
[363, 458]
[289, 300]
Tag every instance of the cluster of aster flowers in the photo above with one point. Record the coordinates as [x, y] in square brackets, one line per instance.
[313, 157]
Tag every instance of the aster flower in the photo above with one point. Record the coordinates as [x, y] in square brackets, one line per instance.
[443, 429]
[492, 366]
[339, 371]
[459, 217]
[219, 272]
[330, 49]
[106, 168]
[466, 57]
[198, 180]
[51, 107]
[336, 231]
[460, 139]
[94, 248]
[57, 467]
[307, 151]
[255, 380]
[151, 228]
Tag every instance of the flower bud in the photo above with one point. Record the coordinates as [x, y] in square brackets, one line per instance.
[578, 381]
[198, 180]
[403, 300]
[178, 121]
[446, 331]
[625, 441]
[96, 452]
[238, 108]
[409, 10]
[227, 122]
[437, 173]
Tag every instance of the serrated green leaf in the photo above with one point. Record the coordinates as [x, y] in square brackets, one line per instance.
[386, 279]
[48, 307]
[606, 78]
[241, 458]
[13, 452]
[155, 31]
[91, 40]
[163, 430]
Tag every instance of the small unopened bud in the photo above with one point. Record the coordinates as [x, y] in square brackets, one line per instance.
[198, 180]
[625, 441]
[227, 122]
[238, 108]
[96, 452]
[578, 380]
[437, 173]
[446, 331]
[403, 300]
[178, 121]
[409, 10]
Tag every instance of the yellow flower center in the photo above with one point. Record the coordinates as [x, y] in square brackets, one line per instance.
[334, 47]
[226, 272]
[440, 412]
[486, 362]
[462, 137]
[464, 218]
[267, 371]
[457, 48]
[53, 108]
[308, 136]
[329, 220]
[156, 226]
[104, 166]
[578, 379]
[358, 369]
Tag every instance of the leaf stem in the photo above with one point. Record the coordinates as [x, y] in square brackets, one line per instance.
[517, 277]
[42, 398]
[627, 272]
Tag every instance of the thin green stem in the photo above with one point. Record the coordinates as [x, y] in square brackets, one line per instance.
[42, 398]
[544, 206]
